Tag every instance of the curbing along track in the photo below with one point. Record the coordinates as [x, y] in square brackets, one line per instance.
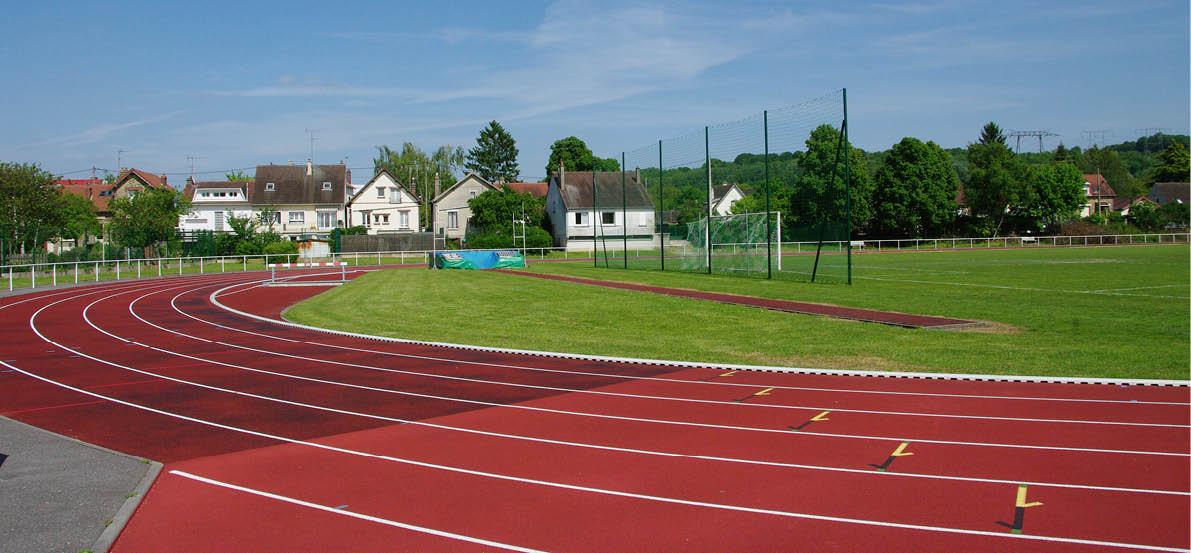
[277, 436]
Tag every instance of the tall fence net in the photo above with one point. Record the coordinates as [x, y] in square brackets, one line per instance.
[725, 197]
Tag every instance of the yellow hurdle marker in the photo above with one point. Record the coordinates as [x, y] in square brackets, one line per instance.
[729, 373]
[764, 392]
[1021, 498]
[821, 416]
[817, 418]
[1019, 510]
[899, 452]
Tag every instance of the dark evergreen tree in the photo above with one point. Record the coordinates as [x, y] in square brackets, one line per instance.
[991, 133]
[495, 155]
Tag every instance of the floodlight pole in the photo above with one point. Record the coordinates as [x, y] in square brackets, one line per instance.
[847, 185]
[661, 207]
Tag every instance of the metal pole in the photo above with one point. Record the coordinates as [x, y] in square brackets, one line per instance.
[624, 212]
[768, 229]
[847, 186]
[707, 161]
[661, 208]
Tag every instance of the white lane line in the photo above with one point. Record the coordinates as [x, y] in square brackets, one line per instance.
[616, 493]
[361, 516]
[1141, 288]
[726, 366]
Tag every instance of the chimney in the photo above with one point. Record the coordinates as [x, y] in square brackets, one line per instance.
[562, 176]
[309, 167]
[437, 185]
[163, 181]
[347, 179]
[189, 181]
[637, 174]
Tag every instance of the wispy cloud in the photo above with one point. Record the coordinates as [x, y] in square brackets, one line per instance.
[101, 132]
[316, 90]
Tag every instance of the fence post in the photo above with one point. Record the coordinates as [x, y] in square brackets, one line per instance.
[223, 264]
[54, 270]
[179, 265]
[96, 271]
[33, 274]
[159, 266]
[245, 270]
[117, 269]
[76, 272]
[200, 264]
[10, 279]
[138, 268]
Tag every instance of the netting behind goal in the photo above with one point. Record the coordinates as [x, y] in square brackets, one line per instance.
[792, 163]
[741, 243]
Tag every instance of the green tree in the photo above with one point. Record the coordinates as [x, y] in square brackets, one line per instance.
[1175, 164]
[817, 197]
[915, 190]
[1055, 194]
[991, 134]
[147, 219]
[1062, 153]
[1177, 213]
[495, 155]
[995, 182]
[78, 218]
[497, 208]
[237, 176]
[1145, 216]
[576, 156]
[29, 207]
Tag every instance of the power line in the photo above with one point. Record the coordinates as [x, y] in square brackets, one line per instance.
[1039, 134]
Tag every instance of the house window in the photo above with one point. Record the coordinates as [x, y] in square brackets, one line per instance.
[366, 218]
[473, 193]
[452, 219]
[326, 186]
[271, 217]
[405, 219]
[608, 217]
[206, 194]
[326, 219]
[269, 187]
[380, 193]
[580, 218]
[298, 217]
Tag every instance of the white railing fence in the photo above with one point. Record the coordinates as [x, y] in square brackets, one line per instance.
[70, 272]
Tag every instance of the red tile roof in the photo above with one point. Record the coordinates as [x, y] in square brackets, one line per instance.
[535, 189]
[87, 188]
[1096, 180]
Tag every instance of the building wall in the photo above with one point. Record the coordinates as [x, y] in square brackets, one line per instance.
[456, 201]
[203, 216]
[309, 219]
[390, 207]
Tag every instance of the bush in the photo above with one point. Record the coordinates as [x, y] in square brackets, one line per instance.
[285, 246]
[1096, 219]
[484, 239]
[247, 247]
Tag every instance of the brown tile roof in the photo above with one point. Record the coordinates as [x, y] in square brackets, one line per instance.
[535, 189]
[149, 179]
[1166, 192]
[87, 188]
[1096, 180]
[1121, 203]
[293, 187]
[577, 194]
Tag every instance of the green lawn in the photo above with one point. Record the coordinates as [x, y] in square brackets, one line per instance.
[1099, 311]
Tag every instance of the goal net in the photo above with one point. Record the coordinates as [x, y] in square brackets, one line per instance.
[739, 243]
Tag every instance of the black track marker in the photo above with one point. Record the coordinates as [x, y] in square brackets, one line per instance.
[1019, 510]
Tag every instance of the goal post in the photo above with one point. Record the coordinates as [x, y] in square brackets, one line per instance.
[738, 243]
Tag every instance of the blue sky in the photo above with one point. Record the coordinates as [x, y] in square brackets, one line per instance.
[236, 84]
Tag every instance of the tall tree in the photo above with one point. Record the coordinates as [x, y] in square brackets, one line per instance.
[147, 219]
[574, 154]
[495, 155]
[78, 218]
[991, 133]
[995, 182]
[1061, 153]
[29, 204]
[1055, 194]
[914, 190]
[1175, 164]
[818, 198]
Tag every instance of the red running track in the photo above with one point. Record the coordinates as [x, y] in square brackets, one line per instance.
[281, 438]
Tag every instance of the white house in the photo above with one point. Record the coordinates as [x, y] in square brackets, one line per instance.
[574, 204]
[212, 203]
[723, 196]
[450, 207]
[384, 205]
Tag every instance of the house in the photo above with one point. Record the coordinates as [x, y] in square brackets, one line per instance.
[384, 205]
[535, 189]
[1165, 192]
[1099, 195]
[723, 196]
[301, 202]
[212, 203]
[572, 202]
[1123, 205]
[450, 207]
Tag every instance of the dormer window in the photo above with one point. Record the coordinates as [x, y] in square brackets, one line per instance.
[269, 187]
[326, 186]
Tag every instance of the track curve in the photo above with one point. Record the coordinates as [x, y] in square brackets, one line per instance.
[277, 437]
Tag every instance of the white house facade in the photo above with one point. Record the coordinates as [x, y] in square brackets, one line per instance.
[451, 212]
[581, 213]
[723, 197]
[384, 206]
[213, 203]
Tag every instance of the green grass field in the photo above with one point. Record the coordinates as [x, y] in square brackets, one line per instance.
[1097, 311]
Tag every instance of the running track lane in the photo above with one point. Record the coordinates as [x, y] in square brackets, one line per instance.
[621, 472]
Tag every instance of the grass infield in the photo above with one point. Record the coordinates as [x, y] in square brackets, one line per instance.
[1097, 312]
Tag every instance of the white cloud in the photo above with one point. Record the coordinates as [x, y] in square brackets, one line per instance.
[101, 132]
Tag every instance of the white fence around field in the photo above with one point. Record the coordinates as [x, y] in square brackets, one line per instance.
[70, 272]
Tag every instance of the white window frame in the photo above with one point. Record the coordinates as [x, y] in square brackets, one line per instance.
[270, 186]
[319, 216]
[366, 219]
[326, 186]
[380, 193]
[453, 220]
[297, 217]
[405, 218]
[473, 194]
[604, 215]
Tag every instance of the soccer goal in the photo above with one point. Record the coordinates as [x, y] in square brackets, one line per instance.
[740, 243]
